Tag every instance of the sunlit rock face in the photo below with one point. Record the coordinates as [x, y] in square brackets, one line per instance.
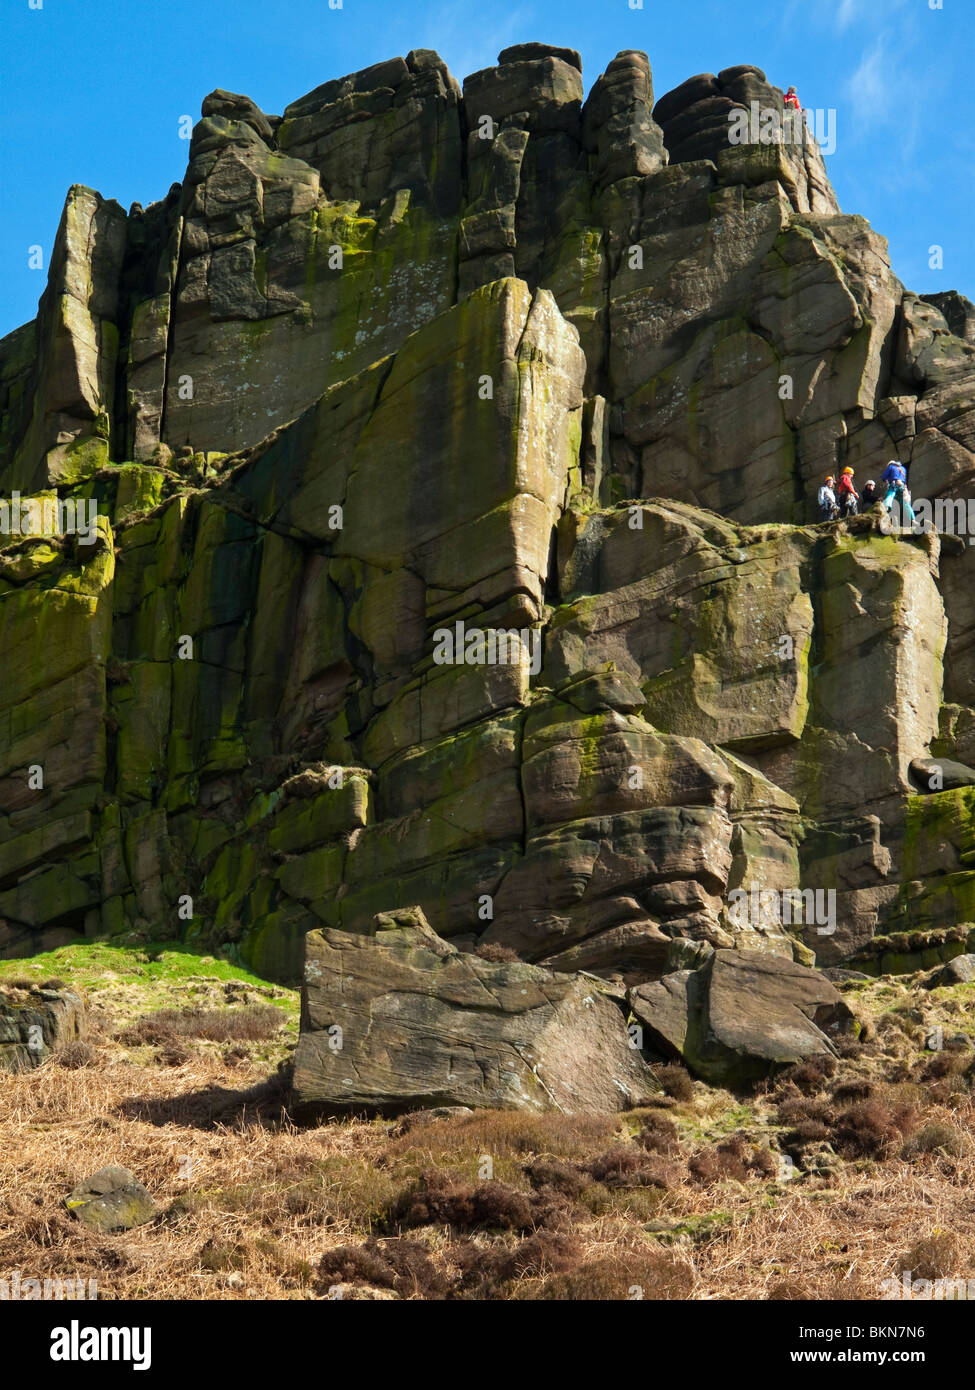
[454, 449]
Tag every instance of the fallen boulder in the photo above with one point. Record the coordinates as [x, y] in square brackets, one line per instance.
[399, 1019]
[960, 970]
[741, 1015]
[34, 1023]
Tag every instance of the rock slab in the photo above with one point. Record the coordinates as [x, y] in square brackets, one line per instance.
[401, 1020]
[742, 1015]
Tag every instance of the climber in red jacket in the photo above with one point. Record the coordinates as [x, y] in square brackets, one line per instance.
[792, 99]
[847, 495]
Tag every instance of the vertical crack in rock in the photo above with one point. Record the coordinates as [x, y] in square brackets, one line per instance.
[465, 557]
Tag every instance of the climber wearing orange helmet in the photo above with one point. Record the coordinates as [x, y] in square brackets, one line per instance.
[848, 495]
[828, 510]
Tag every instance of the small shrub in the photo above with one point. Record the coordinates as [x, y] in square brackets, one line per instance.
[436, 1200]
[726, 1161]
[402, 1265]
[944, 1065]
[491, 951]
[558, 1175]
[857, 1088]
[484, 1271]
[627, 1166]
[797, 1109]
[355, 1264]
[809, 1132]
[75, 1055]
[810, 1075]
[676, 1081]
[765, 1163]
[938, 1256]
[659, 1135]
[870, 1129]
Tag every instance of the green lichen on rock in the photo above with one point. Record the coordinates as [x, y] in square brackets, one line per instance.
[354, 385]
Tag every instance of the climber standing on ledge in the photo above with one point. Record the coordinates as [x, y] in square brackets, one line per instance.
[792, 99]
[894, 478]
[848, 495]
[828, 510]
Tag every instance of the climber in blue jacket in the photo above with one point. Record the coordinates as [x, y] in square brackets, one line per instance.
[894, 478]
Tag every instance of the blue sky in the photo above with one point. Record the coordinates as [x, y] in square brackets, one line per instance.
[92, 91]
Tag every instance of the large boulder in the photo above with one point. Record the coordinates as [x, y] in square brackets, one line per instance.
[400, 1020]
[741, 1015]
[34, 1023]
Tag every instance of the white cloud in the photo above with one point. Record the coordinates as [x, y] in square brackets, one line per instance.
[888, 90]
[872, 88]
[468, 42]
[855, 11]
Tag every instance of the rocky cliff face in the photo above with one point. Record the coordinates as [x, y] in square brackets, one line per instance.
[558, 368]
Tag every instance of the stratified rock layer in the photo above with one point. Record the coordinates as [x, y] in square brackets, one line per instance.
[562, 369]
[400, 1019]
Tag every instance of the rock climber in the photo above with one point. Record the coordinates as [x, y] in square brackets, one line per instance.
[848, 495]
[828, 510]
[894, 478]
[869, 494]
[792, 99]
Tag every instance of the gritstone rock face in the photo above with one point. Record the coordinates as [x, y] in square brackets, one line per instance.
[556, 375]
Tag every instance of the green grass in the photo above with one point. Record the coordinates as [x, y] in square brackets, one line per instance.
[131, 981]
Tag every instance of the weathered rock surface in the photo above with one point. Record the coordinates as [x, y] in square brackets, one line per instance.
[563, 368]
[36, 1023]
[400, 1018]
[941, 774]
[958, 971]
[741, 1015]
[111, 1200]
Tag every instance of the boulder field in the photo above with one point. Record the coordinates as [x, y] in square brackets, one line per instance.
[454, 602]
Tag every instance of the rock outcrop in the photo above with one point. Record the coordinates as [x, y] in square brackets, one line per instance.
[741, 1015]
[37, 1022]
[400, 1019]
[454, 451]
